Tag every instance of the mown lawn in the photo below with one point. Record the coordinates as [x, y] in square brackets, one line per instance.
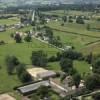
[81, 66]
[23, 51]
[54, 66]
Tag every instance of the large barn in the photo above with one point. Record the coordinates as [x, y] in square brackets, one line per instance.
[30, 88]
[40, 73]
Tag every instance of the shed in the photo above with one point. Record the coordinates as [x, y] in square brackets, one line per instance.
[28, 89]
[47, 74]
[39, 73]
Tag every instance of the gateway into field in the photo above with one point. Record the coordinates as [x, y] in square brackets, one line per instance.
[40, 73]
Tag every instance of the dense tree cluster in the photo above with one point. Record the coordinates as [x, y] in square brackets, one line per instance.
[11, 62]
[28, 38]
[71, 54]
[89, 58]
[22, 74]
[64, 19]
[39, 58]
[18, 38]
[77, 79]
[80, 20]
[66, 64]
[93, 82]
[96, 66]
[54, 40]
[14, 66]
[43, 93]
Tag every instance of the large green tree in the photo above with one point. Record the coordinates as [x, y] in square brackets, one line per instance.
[93, 82]
[11, 62]
[22, 74]
[77, 79]
[96, 66]
[18, 38]
[72, 54]
[80, 20]
[39, 58]
[66, 64]
[28, 38]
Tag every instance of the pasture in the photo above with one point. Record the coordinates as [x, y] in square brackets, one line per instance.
[71, 34]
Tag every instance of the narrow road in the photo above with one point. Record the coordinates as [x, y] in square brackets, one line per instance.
[58, 86]
[47, 43]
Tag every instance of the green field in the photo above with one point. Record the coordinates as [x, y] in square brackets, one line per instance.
[74, 34]
[9, 21]
[77, 35]
[81, 66]
[6, 35]
[23, 51]
[66, 12]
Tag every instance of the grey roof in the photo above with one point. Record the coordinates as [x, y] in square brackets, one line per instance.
[34, 86]
[2, 28]
[46, 74]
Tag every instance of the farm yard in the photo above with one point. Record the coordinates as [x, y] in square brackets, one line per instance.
[71, 34]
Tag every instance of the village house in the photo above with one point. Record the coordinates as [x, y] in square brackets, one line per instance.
[2, 28]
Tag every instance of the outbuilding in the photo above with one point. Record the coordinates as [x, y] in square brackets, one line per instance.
[39, 73]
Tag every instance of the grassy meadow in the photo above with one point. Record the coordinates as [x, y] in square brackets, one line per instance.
[71, 34]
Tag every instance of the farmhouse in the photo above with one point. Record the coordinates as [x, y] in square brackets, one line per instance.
[40, 73]
[2, 28]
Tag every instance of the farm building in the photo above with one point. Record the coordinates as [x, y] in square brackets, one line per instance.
[40, 73]
[2, 28]
[28, 89]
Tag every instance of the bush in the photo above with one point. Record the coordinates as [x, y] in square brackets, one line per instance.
[98, 19]
[52, 59]
[22, 74]
[39, 58]
[71, 54]
[18, 38]
[2, 42]
[25, 77]
[28, 38]
[80, 20]
[93, 82]
[11, 62]
[70, 21]
[96, 66]
[66, 64]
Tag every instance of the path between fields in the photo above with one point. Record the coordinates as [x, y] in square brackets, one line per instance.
[75, 33]
[48, 43]
[93, 43]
